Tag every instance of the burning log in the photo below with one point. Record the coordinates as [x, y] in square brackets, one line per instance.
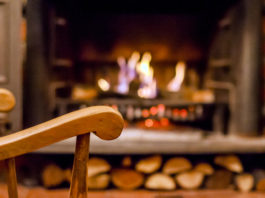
[160, 181]
[259, 177]
[97, 166]
[230, 162]
[190, 180]
[204, 168]
[149, 165]
[127, 179]
[52, 176]
[244, 182]
[221, 179]
[98, 182]
[176, 165]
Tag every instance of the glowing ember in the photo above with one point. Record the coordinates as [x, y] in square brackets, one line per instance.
[149, 123]
[153, 110]
[183, 113]
[127, 72]
[164, 122]
[148, 88]
[115, 107]
[175, 84]
[145, 113]
[103, 84]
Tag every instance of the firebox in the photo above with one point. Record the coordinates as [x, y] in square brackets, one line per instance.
[171, 70]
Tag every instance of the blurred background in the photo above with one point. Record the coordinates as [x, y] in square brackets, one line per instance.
[187, 76]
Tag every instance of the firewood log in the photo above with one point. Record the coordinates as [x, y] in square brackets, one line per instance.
[97, 166]
[260, 186]
[230, 162]
[244, 182]
[68, 175]
[204, 168]
[160, 181]
[259, 177]
[220, 179]
[127, 179]
[126, 162]
[52, 176]
[149, 165]
[190, 180]
[176, 165]
[98, 182]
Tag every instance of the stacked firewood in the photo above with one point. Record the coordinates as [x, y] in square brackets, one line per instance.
[151, 173]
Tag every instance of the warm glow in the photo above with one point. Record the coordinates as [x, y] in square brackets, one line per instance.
[175, 84]
[148, 91]
[149, 123]
[146, 72]
[145, 113]
[164, 122]
[103, 84]
[183, 113]
[153, 110]
[114, 107]
[127, 72]
[132, 62]
[144, 69]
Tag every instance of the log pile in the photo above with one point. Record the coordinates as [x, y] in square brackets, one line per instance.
[155, 173]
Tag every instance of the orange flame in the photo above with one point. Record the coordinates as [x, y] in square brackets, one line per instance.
[175, 84]
[103, 84]
[146, 72]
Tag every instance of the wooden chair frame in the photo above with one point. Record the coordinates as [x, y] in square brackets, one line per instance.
[103, 121]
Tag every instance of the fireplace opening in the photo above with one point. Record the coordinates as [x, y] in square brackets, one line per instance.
[148, 60]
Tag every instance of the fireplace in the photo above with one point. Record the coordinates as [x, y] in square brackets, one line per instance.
[170, 70]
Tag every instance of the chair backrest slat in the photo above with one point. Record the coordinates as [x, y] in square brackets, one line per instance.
[11, 178]
[104, 121]
[78, 187]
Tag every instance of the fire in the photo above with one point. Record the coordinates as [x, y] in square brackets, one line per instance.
[127, 72]
[103, 84]
[175, 84]
[148, 88]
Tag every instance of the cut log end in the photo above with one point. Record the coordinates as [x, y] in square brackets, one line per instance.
[52, 176]
[221, 179]
[97, 166]
[190, 180]
[126, 179]
[160, 181]
[176, 165]
[204, 168]
[149, 165]
[244, 182]
[260, 185]
[98, 182]
[230, 162]
[126, 162]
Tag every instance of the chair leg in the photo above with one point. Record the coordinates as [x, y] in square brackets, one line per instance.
[78, 187]
[11, 178]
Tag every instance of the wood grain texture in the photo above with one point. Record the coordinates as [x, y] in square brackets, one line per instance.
[78, 187]
[7, 100]
[104, 121]
[11, 178]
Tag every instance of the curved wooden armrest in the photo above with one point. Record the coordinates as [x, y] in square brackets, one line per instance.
[7, 100]
[104, 121]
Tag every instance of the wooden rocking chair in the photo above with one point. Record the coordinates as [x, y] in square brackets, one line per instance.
[104, 121]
